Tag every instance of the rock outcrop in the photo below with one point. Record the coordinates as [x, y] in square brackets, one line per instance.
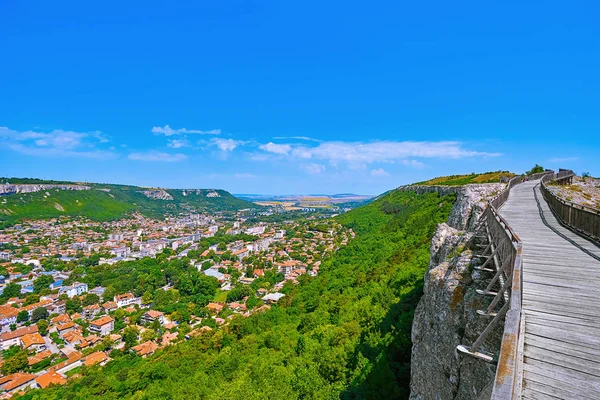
[157, 194]
[6, 189]
[446, 314]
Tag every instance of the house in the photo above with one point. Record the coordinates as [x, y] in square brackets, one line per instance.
[33, 341]
[56, 284]
[216, 307]
[76, 289]
[14, 338]
[145, 349]
[58, 307]
[153, 315]
[16, 382]
[103, 326]
[168, 338]
[73, 338]
[258, 273]
[99, 291]
[127, 299]
[66, 327]
[60, 319]
[70, 363]
[98, 357]
[8, 316]
[91, 311]
[120, 252]
[39, 357]
[50, 378]
[240, 254]
[214, 272]
[273, 297]
[109, 306]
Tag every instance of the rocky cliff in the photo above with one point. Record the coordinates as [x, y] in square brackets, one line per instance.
[6, 189]
[446, 315]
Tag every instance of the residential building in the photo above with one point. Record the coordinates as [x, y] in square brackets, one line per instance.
[50, 378]
[14, 338]
[145, 349]
[66, 327]
[16, 382]
[127, 299]
[98, 357]
[76, 289]
[153, 315]
[103, 326]
[33, 342]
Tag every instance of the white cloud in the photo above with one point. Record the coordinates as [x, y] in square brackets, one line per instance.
[379, 172]
[168, 131]
[55, 143]
[226, 144]
[302, 152]
[177, 143]
[562, 159]
[314, 169]
[308, 139]
[386, 151]
[153, 155]
[276, 148]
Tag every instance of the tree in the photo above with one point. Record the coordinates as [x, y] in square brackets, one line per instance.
[43, 282]
[109, 294]
[23, 316]
[39, 314]
[11, 290]
[17, 362]
[535, 170]
[89, 299]
[148, 334]
[130, 337]
[147, 298]
[73, 305]
[12, 327]
[42, 325]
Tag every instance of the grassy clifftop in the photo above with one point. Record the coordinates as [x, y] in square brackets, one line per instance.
[106, 202]
[458, 180]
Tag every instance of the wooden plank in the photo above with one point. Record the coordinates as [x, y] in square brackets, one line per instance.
[557, 376]
[564, 360]
[563, 347]
[560, 300]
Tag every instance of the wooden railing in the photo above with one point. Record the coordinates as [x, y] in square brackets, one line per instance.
[505, 248]
[584, 220]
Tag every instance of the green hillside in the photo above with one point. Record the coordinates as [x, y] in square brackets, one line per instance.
[107, 202]
[458, 180]
[343, 334]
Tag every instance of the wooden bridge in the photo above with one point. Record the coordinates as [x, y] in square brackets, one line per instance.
[545, 279]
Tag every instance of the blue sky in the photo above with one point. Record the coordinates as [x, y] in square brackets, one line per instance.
[296, 97]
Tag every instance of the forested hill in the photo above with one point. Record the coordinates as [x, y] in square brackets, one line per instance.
[342, 334]
[105, 201]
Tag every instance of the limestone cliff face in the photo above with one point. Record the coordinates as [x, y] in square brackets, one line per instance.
[6, 189]
[446, 315]
[157, 194]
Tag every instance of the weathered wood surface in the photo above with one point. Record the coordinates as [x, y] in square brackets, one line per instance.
[561, 302]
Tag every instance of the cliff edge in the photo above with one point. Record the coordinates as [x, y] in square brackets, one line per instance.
[446, 314]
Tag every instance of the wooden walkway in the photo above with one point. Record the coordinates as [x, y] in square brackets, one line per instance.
[561, 302]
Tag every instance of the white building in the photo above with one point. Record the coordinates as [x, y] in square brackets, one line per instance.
[76, 289]
[127, 299]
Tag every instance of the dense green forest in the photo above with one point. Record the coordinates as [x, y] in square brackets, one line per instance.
[108, 202]
[342, 334]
